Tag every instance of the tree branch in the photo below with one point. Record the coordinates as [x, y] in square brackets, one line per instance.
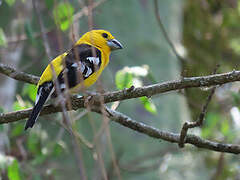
[211, 80]
[202, 81]
[165, 34]
[20, 76]
[199, 122]
[168, 136]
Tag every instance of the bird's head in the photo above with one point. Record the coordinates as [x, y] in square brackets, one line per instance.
[101, 39]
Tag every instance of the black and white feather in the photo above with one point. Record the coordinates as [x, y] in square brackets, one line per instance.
[43, 93]
[81, 60]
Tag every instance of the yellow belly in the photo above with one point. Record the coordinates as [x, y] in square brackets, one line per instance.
[87, 82]
[47, 74]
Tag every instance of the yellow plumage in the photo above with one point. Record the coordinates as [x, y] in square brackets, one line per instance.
[47, 74]
[91, 38]
[91, 57]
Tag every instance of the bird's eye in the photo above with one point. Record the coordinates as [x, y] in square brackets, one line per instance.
[105, 35]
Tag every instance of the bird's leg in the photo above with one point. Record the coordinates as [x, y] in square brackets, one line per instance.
[89, 101]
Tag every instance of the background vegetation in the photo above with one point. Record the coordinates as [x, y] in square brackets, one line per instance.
[204, 33]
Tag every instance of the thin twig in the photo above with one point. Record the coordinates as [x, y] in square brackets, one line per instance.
[203, 81]
[139, 127]
[167, 136]
[199, 122]
[76, 17]
[42, 29]
[156, 10]
[85, 10]
[75, 142]
[219, 168]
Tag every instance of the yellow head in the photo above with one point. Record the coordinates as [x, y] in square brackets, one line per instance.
[101, 39]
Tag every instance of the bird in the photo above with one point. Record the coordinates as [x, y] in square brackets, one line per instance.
[78, 67]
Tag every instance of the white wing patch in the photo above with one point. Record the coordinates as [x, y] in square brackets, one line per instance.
[87, 68]
[94, 60]
[89, 71]
[38, 95]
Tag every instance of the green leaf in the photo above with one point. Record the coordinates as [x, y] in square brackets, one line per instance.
[13, 171]
[123, 79]
[17, 106]
[30, 90]
[3, 40]
[63, 15]
[10, 2]
[148, 105]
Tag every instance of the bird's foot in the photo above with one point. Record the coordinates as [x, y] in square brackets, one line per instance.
[89, 101]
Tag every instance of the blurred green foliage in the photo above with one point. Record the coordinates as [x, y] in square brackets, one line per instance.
[10, 2]
[210, 36]
[3, 41]
[132, 76]
[30, 91]
[13, 171]
[63, 15]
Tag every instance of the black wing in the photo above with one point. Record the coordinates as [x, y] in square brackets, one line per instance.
[43, 93]
[81, 60]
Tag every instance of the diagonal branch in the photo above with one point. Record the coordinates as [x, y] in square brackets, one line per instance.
[168, 136]
[199, 122]
[151, 131]
[211, 80]
[202, 81]
[20, 76]
[165, 34]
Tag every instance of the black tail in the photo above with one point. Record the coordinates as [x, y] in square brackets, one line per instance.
[42, 95]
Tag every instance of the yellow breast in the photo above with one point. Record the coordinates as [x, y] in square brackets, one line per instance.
[57, 65]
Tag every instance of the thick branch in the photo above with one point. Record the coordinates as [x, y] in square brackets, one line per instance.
[211, 80]
[140, 127]
[199, 122]
[77, 103]
[167, 136]
[21, 76]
